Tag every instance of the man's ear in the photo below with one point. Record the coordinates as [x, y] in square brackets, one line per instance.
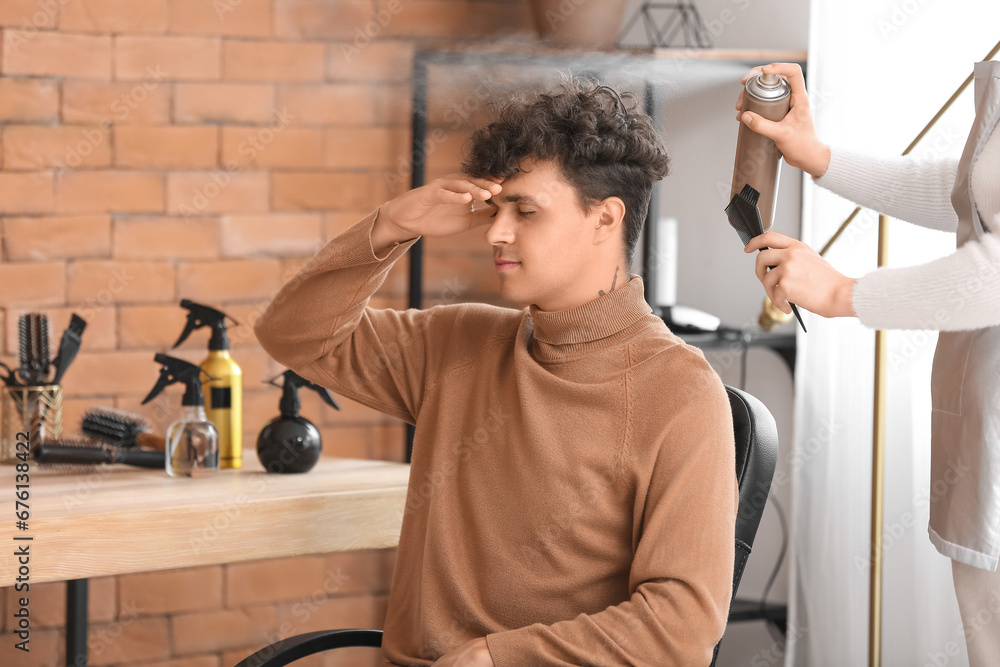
[612, 214]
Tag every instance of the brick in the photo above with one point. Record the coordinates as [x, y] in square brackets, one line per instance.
[27, 15]
[297, 191]
[100, 333]
[266, 147]
[176, 57]
[349, 442]
[391, 105]
[154, 327]
[171, 591]
[378, 61]
[274, 579]
[67, 146]
[359, 572]
[388, 443]
[26, 193]
[326, 614]
[47, 649]
[128, 639]
[34, 284]
[351, 412]
[247, 18]
[320, 19]
[220, 630]
[29, 100]
[197, 193]
[145, 103]
[329, 104]
[166, 147]
[110, 190]
[272, 61]
[207, 660]
[134, 16]
[444, 18]
[103, 282]
[241, 334]
[359, 148]
[337, 222]
[57, 54]
[273, 235]
[223, 103]
[166, 238]
[233, 279]
[109, 373]
[57, 237]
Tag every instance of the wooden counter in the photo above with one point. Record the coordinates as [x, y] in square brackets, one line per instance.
[122, 519]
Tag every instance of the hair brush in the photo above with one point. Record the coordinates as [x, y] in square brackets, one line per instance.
[121, 429]
[77, 452]
[744, 216]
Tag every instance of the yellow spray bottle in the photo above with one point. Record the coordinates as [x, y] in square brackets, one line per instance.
[223, 394]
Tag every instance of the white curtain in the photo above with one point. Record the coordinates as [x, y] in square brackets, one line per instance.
[878, 71]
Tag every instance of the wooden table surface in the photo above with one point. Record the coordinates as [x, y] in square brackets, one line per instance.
[121, 519]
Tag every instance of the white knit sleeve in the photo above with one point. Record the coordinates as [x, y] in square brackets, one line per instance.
[910, 188]
[959, 291]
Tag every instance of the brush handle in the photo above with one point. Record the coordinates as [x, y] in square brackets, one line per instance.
[140, 458]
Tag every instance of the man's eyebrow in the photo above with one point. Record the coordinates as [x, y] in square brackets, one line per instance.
[515, 198]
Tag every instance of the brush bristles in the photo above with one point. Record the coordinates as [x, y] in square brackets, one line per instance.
[114, 426]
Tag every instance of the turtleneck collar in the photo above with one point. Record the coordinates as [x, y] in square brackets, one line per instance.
[605, 316]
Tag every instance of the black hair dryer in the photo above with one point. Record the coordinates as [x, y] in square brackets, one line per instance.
[290, 442]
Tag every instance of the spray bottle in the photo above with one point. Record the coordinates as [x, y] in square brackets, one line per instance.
[291, 443]
[758, 160]
[224, 395]
[192, 440]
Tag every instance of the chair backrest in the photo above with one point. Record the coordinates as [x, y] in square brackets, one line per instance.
[756, 456]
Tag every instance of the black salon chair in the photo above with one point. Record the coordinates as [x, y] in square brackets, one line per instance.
[756, 456]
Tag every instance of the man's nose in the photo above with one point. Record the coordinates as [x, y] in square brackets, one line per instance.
[500, 231]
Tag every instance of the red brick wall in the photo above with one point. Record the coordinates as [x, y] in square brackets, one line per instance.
[118, 120]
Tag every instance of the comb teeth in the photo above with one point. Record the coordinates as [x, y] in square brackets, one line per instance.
[750, 194]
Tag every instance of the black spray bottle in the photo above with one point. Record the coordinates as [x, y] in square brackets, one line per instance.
[291, 443]
[192, 440]
[224, 393]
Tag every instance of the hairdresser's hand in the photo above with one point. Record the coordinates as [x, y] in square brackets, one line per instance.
[801, 276]
[795, 135]
[473, 653]
[443, 207]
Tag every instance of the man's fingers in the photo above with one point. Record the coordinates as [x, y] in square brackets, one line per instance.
[464, 185]
[490, 185]
[749, 74]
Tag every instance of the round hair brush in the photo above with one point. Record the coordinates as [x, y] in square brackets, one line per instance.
[121, 429]
[76, 452]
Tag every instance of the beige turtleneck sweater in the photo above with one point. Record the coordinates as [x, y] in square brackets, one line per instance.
[572, 492]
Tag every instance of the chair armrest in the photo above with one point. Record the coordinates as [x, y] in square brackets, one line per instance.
[291, 649]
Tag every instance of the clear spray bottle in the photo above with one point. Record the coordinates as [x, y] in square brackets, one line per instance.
[192, 440]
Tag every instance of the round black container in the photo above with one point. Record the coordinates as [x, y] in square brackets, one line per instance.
[289, 444]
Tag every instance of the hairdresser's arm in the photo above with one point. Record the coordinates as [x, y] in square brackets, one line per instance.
[917, 190]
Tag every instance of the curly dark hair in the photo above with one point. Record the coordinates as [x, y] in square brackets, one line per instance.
[604, 144]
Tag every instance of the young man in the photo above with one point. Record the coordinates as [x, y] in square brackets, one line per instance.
[572, 495]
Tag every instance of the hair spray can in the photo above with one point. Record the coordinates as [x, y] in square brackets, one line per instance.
[758, 160]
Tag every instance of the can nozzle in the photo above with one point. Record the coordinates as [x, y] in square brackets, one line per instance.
[204, 316]
[290, 403]
[178, 370]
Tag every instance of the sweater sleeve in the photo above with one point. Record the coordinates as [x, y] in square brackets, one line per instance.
[955, 292]
[319, 324]
[909, 188]
[681, 575]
